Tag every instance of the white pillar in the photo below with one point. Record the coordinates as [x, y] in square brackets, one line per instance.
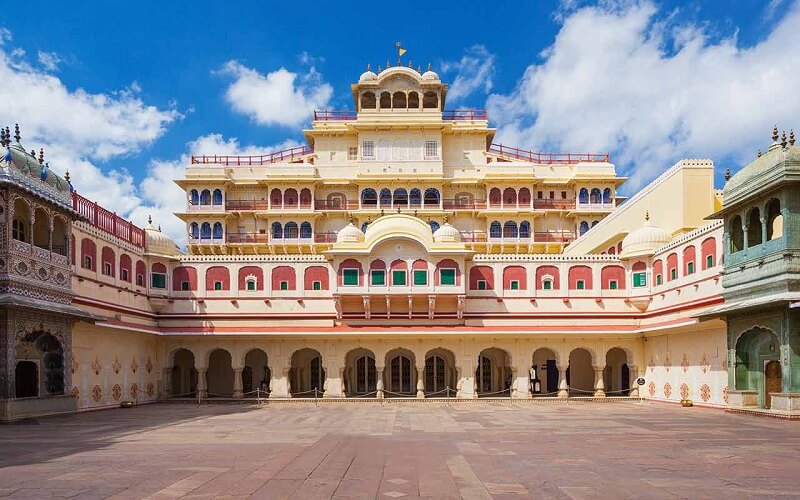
[563, 389]
[633, 375]
[202, 386]
[237, 383]
[379, 385]
[599, 391]
[420, 382]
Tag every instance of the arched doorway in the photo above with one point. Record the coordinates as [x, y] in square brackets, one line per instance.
[493, 376]
[40, 366]
[440, 372]
[580, 373]
[219, 376]
[755, 350]
[545, 371]
[255, 374]
[307, 373]
[184, 375]
[26, 379]
[360, 373]
[400, 375]
[616, 375]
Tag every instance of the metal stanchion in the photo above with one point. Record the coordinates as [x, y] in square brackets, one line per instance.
[315, 397]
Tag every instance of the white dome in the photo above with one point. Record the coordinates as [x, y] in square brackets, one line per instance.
[446, 234]
[349, 234]
[367, 76]
[430, 75]
[158, 242]
[644, 241]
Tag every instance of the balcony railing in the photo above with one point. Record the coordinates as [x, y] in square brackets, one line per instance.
[334, 115]
[108, 221]
[204, 208]
[335, 205]
[246, 205]
[554, 236]
[402, 206]
[463, 205]
[473, 236]
[325, 238]
[248, 238]
[464, 114]
[253, 160]
[547, 158]
[552, 204]
[595, 206]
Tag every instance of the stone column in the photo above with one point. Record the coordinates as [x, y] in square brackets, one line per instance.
[420, 382]
[379, 385]
[634, 374]
[237, 383]
[279, 386]
[166, 389]
[599, 389]
[763, 230]
[563, 389]
[202, 386]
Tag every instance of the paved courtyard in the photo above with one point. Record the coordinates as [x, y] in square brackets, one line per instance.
[472, 450]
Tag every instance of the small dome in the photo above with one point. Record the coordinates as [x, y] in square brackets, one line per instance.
[644, 241]
[430, 75]
[446, 234]
[158, 242]
[349, 234]
[367, 76]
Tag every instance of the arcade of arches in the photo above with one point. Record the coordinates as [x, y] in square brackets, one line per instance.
[401, 372]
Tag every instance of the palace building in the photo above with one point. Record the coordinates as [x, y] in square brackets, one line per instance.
[403, 253]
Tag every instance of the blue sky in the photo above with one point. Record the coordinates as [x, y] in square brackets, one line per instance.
[120, 94]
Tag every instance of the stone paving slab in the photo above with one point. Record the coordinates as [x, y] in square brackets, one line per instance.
[440, 451]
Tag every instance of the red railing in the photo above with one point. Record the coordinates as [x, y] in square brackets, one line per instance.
[464, 114]
[246, 205]
[335, 205]
[473, 236]
[550, 204]
[248, 238]
[462, 205]
[547, 158]
[333, 115]
[325, 238]
[554, 236]
[253, 160]
[108, 221]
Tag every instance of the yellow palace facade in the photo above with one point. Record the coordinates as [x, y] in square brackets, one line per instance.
[401, 253]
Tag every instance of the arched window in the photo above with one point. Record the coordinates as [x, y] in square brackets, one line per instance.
[430, 100]
[290, 198]
[509, 197]
[275, 198]
[368, 100]
[510, 229]
[194, 230]
[415, 197]
[205, 197]
[337, 200]
[431, 196]
[216, 198]
[495, 230]
[594, 223]
[595, 196]
[464, 200]
[399, 100]
[305, 230]
[41, 229]
[205, 231]
[774, 220]
[305, 198]
[217, 233]
[524, 196]
[386, 197]
[194, 197]
[583, 196]
[400, 197]
[434, 225]
[369, 197]
[607, 195]
[495, 197]
[525, 229]
[386, 100]
[413, 100]
[277, 231]
[584, 227]
[736, 234]
[753, 227]
[290, 231]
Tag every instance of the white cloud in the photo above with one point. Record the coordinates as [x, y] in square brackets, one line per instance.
[162, 197]
[474, 72]
[277, 98]
[49, 60]
[77, 128]
[608, 83]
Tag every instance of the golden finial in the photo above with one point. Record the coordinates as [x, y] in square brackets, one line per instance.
[388, 64]
[445, 218]
[41, 154]
[429, 66]
[759, 152]
[368, 67]
[727, 174]
[791, 137]
[66, 176]
[647, 216]
[783, 139]
[149, 219]
[775, 133]
[398, 210]
[351, 219]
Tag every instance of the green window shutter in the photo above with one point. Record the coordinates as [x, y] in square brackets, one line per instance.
[482, 285]
[580, 285]
[547, 285]
[399, 278]
[251, 285]
[159, 280]
[217, 285]
[420, 277]
[185, 286]
[690, 267]
[673, 274]
[447, 276]
[612, 285]
[640, 279]
[317, 285]
[709, 261]
[284, 285]
[378, 278]
[350, 277]
[515, 285]
[659, 279]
